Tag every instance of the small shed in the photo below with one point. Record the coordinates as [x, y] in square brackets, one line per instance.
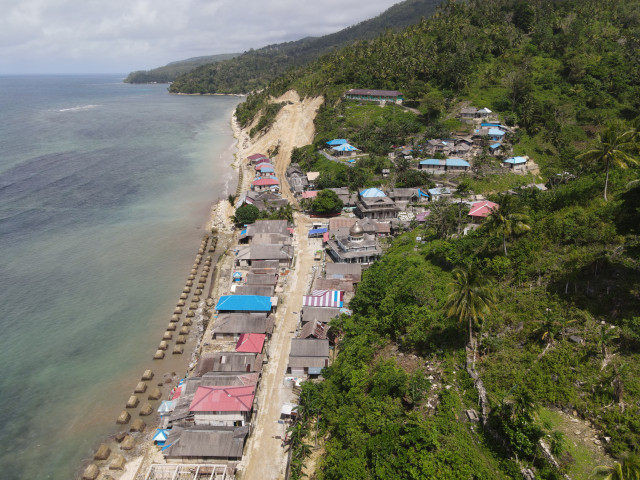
[160, 437]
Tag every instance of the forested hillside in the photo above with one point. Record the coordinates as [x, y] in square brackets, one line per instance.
[558, 69]
[564, 333]
[256, 68]
[172, 70]
[533, 319]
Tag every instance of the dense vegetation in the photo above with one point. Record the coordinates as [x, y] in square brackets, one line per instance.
[254, 69]
[173, 70]
[392, 405]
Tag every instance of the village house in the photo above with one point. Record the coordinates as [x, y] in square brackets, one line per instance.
[264, 200]
[516, 164]
[231, 326]
[334, 284]
[439, 166]
[233, 362]
[246, 254]
[265, 183]
[298, 180]
[257, 158]
[409, 195]
[261, 290]
[308, 356]
[354, 247]
[314, 329]
[268, 226]
[245, 303]
[439, 193]
[349, 271]
[469, 114]
[344, 150]
[321, 314]
[392, 96]
[481, 210]
[348, 198]
[228, 406]
[183, 397]
[205, 444]
[373, 203]
[251, 343]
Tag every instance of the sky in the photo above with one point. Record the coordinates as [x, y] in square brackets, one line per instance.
[119, 36]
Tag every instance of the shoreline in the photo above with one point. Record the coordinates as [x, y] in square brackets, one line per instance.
[219, 229]
[288, 132]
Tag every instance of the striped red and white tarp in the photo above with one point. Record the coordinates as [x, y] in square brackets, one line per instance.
[323, 298]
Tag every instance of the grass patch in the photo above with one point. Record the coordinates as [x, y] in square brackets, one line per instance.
[582, 450]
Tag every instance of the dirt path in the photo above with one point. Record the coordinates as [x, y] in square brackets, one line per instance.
[264, 457]
[293, 127]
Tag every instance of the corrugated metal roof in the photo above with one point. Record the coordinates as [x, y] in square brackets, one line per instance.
[336, 141]
[323, 298]
[380, 93]
[496, 132]
[250, 342]
[516, 160]
[457, 162]
[483, 208]
[244, 303]
[372, 192]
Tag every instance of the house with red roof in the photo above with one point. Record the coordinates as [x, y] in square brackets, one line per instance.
[250, 343]
[481, 210]
[223, 406]
[265, 183]
[257, 158]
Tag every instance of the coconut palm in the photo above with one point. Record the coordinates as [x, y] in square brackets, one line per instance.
[613, 147]
[628, 469]
[507, 220]
[472, 297]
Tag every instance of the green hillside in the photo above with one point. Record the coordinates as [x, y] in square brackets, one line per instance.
[558, 345]
[254, 69]
[558, 69]
[172, 70]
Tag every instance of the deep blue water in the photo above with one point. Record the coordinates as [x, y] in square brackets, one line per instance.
[105, 190]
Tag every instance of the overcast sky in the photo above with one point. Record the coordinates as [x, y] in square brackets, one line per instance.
[118, 36]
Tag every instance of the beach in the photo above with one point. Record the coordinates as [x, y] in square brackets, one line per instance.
[293, 127]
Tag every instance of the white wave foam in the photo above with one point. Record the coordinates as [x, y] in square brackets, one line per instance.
[79, 108]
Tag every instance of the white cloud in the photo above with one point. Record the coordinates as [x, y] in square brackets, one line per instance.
[65, 36]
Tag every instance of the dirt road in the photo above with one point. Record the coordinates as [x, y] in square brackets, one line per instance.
[264, 457]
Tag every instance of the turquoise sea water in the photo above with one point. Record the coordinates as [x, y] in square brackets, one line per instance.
[105, 190]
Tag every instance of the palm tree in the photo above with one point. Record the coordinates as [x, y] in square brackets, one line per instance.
[628, 469]
[472, 297]
[612, 148]
[507, 220]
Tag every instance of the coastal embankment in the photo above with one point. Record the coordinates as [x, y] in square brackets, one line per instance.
[293, 127]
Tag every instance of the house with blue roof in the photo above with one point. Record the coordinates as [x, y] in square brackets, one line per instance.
[495, 134]
[516, 164]
[450, 165]
[243, 303]
[438, 193]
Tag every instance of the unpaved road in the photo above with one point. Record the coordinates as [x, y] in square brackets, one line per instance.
[264, 457]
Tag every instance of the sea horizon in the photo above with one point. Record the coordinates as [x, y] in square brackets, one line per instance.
[105, 193]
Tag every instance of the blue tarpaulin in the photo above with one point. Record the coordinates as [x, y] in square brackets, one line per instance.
[317, 231]
[336, 141]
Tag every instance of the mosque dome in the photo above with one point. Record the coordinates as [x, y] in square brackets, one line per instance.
[356, 231]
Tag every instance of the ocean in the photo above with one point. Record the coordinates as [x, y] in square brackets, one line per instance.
[105, 192]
